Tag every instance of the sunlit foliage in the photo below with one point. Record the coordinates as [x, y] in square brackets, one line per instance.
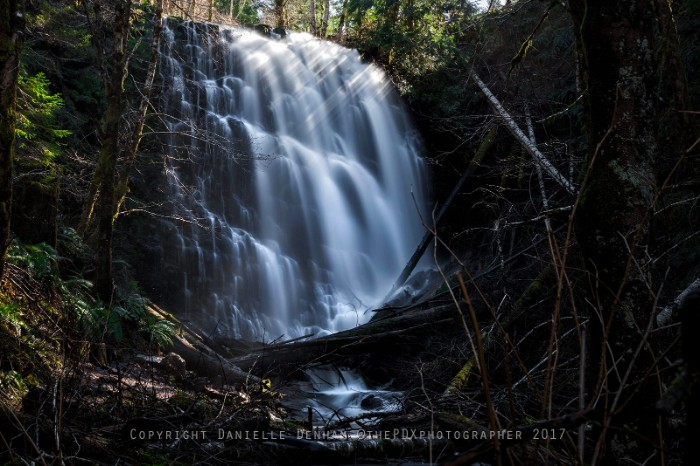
[37, 128]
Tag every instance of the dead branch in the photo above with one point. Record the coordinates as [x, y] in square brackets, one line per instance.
[522, 138]
[433, 299]
[668, 314]
[428, 237]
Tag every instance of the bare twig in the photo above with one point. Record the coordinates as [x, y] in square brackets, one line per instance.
[493, 418]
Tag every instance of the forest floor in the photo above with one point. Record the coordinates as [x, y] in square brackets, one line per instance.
[81, 384]
[68, 399]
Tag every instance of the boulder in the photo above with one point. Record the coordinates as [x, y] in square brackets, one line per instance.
[173, 364]
[371, 402]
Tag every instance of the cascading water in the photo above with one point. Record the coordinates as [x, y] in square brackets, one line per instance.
[298, 178]
[336, 393]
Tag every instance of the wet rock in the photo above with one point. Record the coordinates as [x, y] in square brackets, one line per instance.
[371, 402]
[263, 29]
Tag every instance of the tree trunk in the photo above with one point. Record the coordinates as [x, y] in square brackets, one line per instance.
[341, 22]
[406, 328]
[279, 13]
[11, 25]
[689, 310]
[616, 50]
[137, 133]
[312, 17]
[326, 12]
[200, 357]
[105, 172]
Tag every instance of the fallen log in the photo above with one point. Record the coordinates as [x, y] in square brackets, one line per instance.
[355, 341]
[201, 358]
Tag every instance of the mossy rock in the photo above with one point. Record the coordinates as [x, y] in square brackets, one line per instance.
[264, 29]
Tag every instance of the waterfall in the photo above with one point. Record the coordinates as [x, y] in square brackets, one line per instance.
[297, 182]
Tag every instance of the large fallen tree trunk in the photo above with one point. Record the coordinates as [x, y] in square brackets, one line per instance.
[200, 357]
[399, 329]
[389, 324]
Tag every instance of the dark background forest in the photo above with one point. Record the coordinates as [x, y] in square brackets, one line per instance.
[563, 143]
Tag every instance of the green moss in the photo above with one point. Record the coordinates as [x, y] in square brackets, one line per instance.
[182, 399]
[459, 381]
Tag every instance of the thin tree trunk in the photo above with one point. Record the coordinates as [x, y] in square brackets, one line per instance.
[676, 121]
[105, 172]
[391, 21]
[326, 12]
[312, 17]
[410, 18]
[279, 13]
[528, 145]
[241, 7]
[137, 134]
[11, 25]
[341, 22]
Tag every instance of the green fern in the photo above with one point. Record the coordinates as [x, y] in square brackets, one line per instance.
[12, 380]
[40, 259]
[11, 315]
[37, 129]
[158, 331]
[102, 324]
